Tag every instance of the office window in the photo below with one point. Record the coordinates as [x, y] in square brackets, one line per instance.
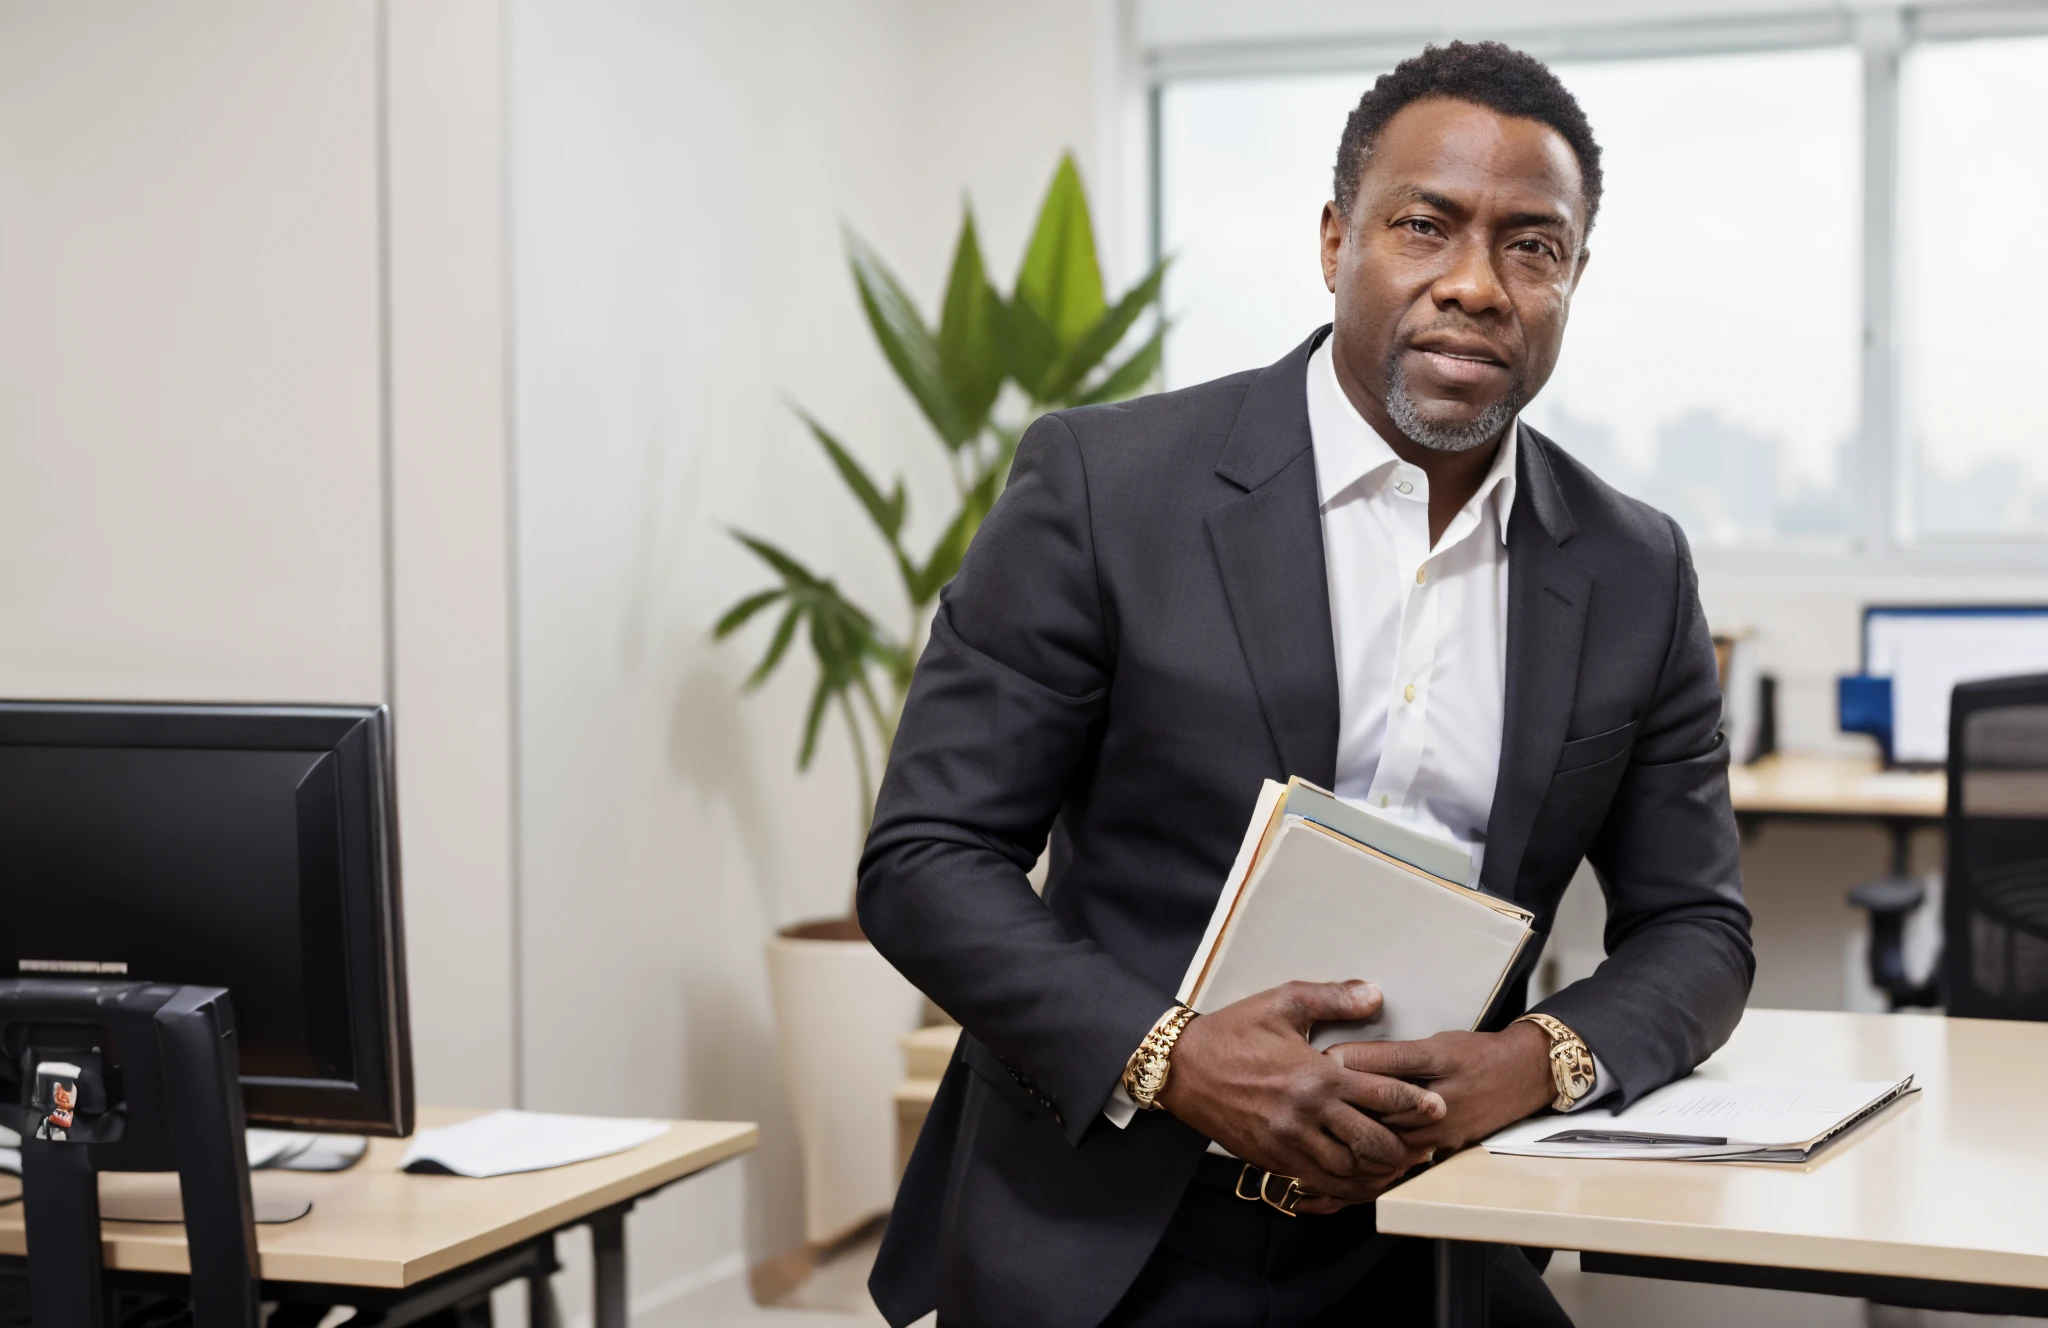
[1974, 261]
[1711, 361]
[1244, 171]
[1710, 365]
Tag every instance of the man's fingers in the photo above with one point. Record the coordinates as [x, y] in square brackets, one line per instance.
[1374, 1148]
[1394, 1060]
[1392, 1099]
[1308, 1003]
[1326, 1157]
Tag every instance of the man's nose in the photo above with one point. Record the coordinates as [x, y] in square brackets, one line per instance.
[1470, 280]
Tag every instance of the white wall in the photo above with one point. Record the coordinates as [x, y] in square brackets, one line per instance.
[230, 468]
[189, 363]
[679, 175]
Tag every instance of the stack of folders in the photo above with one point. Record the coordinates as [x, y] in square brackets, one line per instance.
[1709, 1120]
[1324, 890]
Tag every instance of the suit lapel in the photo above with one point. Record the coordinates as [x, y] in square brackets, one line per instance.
[1268, 544]
[1548, 594]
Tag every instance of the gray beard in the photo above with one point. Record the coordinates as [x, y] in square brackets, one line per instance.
[1407, 416]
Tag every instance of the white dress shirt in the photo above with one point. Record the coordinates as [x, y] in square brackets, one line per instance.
[1420, 630]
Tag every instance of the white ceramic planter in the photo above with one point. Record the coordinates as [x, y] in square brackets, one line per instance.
[839, 1010]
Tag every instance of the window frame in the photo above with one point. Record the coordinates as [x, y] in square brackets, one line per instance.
[1176, 41]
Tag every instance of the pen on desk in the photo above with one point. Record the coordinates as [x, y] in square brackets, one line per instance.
[1621, 1137]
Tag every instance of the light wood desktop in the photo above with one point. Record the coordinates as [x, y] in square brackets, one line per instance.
[1949, 1186]
[1802, 787]
[376, 1226]
[1791, 784]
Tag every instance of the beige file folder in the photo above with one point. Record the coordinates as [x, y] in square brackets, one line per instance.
[1304, 902]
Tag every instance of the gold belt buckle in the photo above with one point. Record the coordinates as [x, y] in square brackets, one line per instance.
[1289, 1197]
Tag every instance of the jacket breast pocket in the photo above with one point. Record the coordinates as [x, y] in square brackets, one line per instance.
[1583, 753]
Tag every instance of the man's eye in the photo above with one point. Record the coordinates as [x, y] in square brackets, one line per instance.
[1421, 225]
[1536, 247]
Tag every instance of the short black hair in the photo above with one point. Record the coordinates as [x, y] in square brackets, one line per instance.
[1487, 74]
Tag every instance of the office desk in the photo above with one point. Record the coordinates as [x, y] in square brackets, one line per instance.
[388, 1242]
[1839, 788]
[1940, 1202]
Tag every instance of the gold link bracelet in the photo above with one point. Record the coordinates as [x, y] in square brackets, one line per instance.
[1571, 1063]
[1145, 1075]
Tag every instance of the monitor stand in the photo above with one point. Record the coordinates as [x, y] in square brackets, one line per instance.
[129, 1076]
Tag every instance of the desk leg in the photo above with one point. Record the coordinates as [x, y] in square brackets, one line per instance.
[1902, 845]
[541, 1310]
[1461, 1283]
[608, 1250]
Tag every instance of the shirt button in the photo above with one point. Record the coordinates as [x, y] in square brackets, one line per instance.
[1409, 693]
[1383, 799]
[1404, 486]
[1421, 575]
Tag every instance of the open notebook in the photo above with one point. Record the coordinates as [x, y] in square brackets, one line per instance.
[1323, 891]
[1709, 1120]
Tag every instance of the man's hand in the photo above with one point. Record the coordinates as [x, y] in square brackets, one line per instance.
[1487, 1080]
[1246, 1077]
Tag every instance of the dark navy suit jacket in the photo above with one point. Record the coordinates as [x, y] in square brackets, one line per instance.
[1138, 637]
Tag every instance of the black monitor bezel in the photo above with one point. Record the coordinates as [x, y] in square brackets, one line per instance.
[379, 1100]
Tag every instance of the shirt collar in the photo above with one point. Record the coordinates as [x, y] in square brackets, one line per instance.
[1349, 450]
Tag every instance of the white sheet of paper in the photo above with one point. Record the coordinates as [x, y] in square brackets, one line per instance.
[1748, 1116]
[504, 1142]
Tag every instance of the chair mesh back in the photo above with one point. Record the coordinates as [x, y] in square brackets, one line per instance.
[1996, 960]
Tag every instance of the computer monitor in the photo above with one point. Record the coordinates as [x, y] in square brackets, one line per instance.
[1926, 649]
[247, 847]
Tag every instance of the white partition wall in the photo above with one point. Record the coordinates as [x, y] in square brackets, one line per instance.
[252, 439]
[190, 386]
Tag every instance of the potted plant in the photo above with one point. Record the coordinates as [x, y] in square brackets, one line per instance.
[839, 1006]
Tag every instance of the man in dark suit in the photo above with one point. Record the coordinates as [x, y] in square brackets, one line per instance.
[1355, 565]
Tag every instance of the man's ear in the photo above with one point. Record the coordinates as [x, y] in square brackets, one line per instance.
[1334, 227]
[1585, 257]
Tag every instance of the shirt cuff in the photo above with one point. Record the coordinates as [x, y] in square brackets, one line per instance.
[1601, 1085]
[1120, 1111]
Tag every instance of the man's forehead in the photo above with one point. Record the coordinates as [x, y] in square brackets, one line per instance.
[1444, 151]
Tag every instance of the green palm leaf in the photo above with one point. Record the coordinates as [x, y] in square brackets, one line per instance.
[784, 631]
[907, 343]
[1098, 341]
[969, 340]
[737, 616]
[1129, 378]
[821, 695]
[885, 512]
[1060, 280]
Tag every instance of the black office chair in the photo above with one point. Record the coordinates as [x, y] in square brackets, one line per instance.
[1994, 962]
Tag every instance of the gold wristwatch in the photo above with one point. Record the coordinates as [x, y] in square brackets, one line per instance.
[1145, 1076]
[1571, 1064]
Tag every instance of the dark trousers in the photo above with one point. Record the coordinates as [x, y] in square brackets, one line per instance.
[1227, 1261]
